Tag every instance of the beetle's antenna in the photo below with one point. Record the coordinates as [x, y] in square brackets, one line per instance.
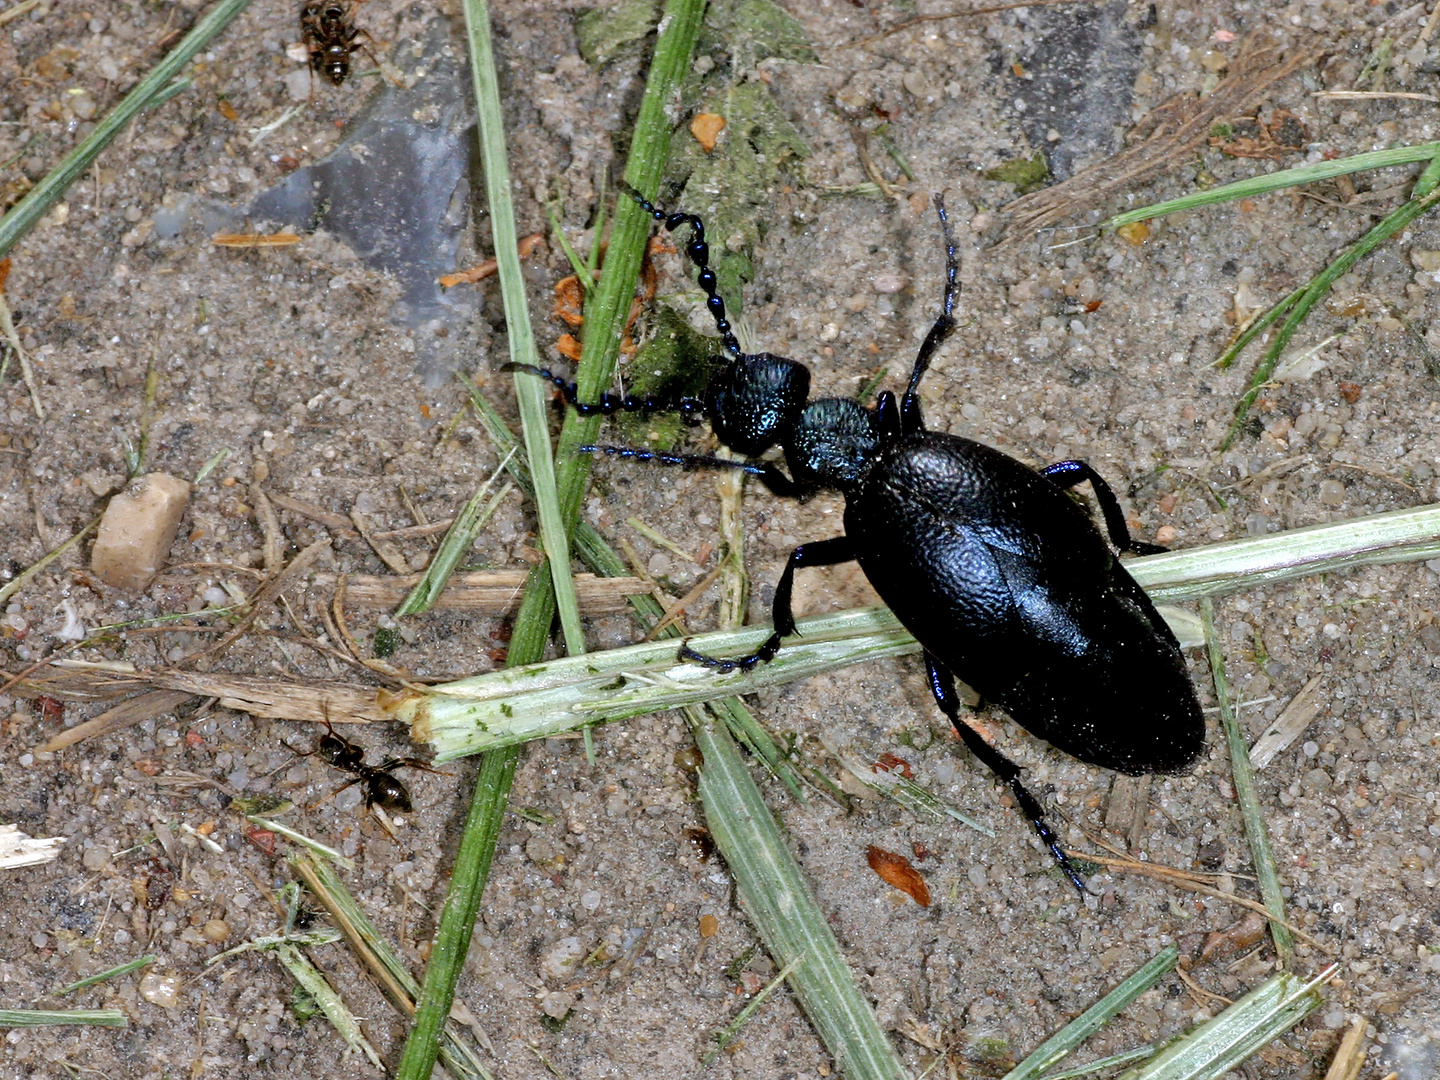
[699, 252]
[660, 457]
[910, 405]
[689, 408]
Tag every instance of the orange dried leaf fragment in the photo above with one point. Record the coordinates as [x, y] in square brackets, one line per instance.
[706, 128]
[1136, 233]
[254, 240]
[896, 871]
[485, 269]
[569, 301]
[568, 347]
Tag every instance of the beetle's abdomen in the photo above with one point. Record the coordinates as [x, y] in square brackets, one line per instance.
[1002, 576]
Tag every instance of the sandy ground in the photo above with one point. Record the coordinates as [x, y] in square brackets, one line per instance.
[323, 378]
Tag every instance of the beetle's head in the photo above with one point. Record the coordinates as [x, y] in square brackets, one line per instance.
[755, 400]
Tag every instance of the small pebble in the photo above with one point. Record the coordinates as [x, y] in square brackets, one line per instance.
[562, 959]
[889, 283]
[82, 105]
[162, 990]
[216, 930]
[1332, 493]
[590, 899]
[137, 529]
[297, 84]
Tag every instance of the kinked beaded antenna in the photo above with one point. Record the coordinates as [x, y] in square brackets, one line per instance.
[1004, 579]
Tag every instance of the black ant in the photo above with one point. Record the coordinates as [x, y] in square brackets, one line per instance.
[328, 29]
[382, 787]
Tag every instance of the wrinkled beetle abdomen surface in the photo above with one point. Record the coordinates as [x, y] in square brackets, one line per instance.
[1009, 582]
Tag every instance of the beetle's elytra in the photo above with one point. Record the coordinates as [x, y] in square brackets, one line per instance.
[1003, 578]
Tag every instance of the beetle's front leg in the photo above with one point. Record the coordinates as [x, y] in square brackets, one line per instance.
[942, 685]
[1067, 474]
[818, 553]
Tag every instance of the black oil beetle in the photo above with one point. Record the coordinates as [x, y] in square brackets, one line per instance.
[1004, 578]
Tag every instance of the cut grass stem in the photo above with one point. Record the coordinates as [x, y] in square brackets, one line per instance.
[1266, 875]
[541, 700]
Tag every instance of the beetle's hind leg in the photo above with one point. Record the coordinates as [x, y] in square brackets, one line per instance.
[818, 553]
[942, 685]
[1066, 474]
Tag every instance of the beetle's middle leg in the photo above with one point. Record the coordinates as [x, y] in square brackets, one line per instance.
[818, 553]
[942, 685]
[1067, 474]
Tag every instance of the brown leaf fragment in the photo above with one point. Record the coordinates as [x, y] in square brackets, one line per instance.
[706, 128]
[254, 240]
[568, 347]
[896, 871]
[483, 270]
[1240, 935]
[569, 299]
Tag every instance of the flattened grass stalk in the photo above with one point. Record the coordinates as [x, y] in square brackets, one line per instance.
[512, 706]
[675, 43]
[149, 91]
[1072, 1035]
[1266, 876]
[1224, 1041]
[778, 903]
[18, 1018]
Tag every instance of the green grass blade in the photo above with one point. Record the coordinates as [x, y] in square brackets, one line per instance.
[675, 43]
[1394, 222]
[20, 1018]
[529, 392]
[1256, 328]
[1064, 1041]
[1266, 875]
[456, 544]
[1224, 1041]
[149, 91]
[1263, 185]
[789, 922]
[108, 974]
